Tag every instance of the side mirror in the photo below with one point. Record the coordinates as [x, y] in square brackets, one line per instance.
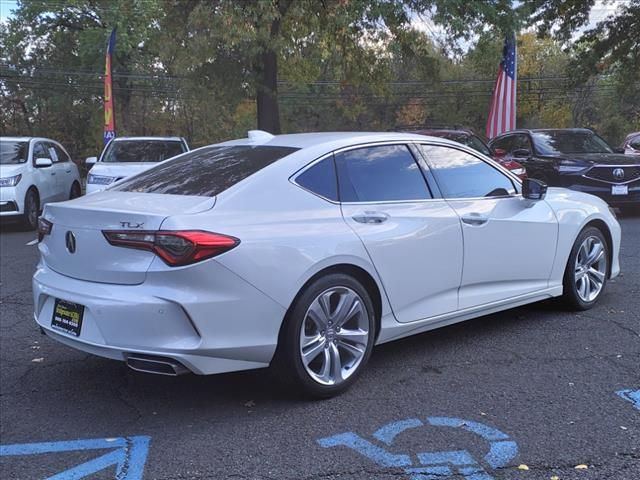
[499, 152]
[533, 189]
[43, 162]
[521, 153]
[91, 160]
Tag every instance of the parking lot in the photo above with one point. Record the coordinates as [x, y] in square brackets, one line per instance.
[530, 393]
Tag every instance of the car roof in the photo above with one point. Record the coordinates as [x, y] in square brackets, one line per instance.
[534, 130]
[446, 131]
[332, 140]
[27, 139]
[146, 139]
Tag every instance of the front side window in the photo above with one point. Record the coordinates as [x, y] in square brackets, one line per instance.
[147, 151]
[380, 174]
[504, 143]
[205, 172]
[13, 152]
[520, 142]
[40, 151]
[320, 179]
[60, 153]
[462, 175]
[555, 142]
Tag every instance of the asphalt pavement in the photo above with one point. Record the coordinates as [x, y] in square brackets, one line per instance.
[530, 393]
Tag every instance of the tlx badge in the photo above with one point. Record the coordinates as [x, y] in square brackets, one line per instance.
[131, 224]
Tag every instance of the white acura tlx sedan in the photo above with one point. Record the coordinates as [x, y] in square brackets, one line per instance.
[301, 252]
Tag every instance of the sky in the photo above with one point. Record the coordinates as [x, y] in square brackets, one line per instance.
[5, 8]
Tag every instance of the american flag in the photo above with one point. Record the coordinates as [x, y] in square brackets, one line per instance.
[502, 112]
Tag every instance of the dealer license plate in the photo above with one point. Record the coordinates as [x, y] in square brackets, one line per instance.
[67, 317]
[620, 190]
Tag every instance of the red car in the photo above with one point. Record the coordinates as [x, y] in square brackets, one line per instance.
[469, 138]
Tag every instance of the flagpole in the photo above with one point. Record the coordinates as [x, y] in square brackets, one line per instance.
[109, 104]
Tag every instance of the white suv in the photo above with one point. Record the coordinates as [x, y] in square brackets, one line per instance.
[126, 156]
[34, 171]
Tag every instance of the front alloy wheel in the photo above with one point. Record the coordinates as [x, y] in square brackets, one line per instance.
[587, 269]
[327, 336]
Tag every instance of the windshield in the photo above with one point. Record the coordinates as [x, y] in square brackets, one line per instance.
[557, 142]
[142, 150]
[13, 152]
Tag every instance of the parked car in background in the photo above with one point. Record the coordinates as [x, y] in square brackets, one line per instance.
[469, 138]
[575, 158]
[126, 156]
[34, 171]
[303, 251]
[631, 145]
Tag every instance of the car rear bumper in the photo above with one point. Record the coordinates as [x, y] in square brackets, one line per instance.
[206, 330]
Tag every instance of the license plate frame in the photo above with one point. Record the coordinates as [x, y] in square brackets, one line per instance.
[67, 317]
[619, 189]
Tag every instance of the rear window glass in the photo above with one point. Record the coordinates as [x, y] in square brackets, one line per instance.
[205, 172]
[142, 151]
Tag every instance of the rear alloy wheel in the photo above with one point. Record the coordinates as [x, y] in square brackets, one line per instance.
[75, 191]
[587, 270]
[31, 210]
[327, 338]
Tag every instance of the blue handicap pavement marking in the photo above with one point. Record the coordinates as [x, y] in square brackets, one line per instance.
[431, 465]
[632, 396]
[128, 454]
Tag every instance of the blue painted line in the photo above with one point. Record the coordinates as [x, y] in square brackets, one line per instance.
[390, 431]
[128, 454]
[501, 453]
[632, 396]
[369, 450]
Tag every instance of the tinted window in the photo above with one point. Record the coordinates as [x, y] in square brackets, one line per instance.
[504, 143]
[468, 140]
[320, 179]
[61, 154]
[552, 142]
[142, 151]
[635, 143]
[13, 152]
[205, 172]
[461, 175]
[379, 174]
[40, 151]
[520, 142]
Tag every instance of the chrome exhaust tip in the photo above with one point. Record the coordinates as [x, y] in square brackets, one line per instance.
[157, 365]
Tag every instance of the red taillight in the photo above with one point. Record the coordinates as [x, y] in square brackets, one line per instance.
[44, 228]
[176, 248]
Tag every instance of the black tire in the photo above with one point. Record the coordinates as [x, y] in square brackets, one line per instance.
[76, 191]
[29, 219]
[287, 364]
[571, 297]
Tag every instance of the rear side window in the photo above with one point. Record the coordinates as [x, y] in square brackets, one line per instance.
[205, 172]
[320, 179]
[380, 174]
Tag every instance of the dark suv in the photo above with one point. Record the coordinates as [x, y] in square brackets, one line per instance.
[575, 158]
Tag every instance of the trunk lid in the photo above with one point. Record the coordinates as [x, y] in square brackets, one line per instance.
[77, 248]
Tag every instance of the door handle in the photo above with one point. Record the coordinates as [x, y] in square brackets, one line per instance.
[68, 171]
[53, 173]
[371, 217]
[475, 219]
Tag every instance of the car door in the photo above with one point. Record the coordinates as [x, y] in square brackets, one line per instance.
[65, 173]
[509, 241]
[413, 240]
[44, 178]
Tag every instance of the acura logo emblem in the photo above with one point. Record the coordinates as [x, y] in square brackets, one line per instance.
[618, 173]
[70, 240]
